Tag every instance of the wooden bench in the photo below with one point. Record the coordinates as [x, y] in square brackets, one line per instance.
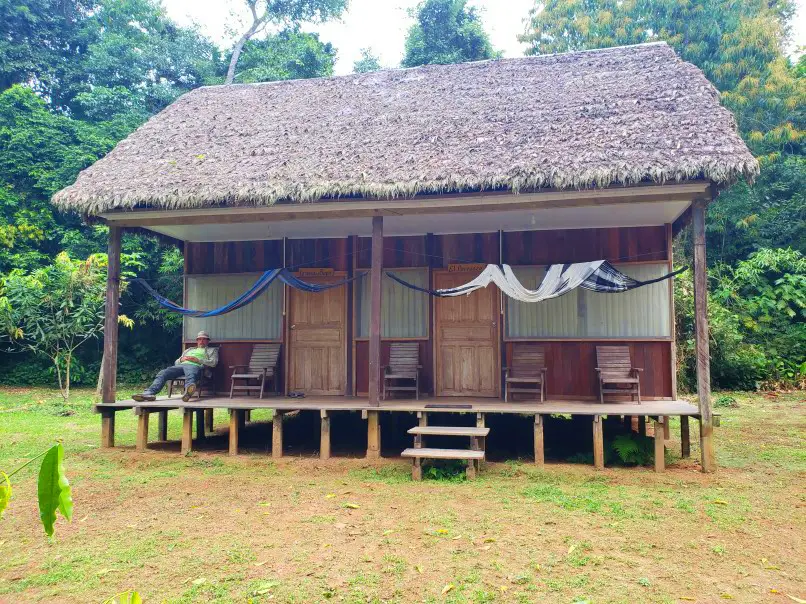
[528, 369]
[616, 373]
[418, 454]
[404, 364]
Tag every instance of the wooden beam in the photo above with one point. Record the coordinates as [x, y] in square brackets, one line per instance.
[642, 425]
[234, 430]
[162, 425]
[540, 451]
[375, 312]
[200, 424]
[598, 443]
[142, 431]
[373, 435]
[187, 431]
[277, 435]
[708, 461]
[208, 420]
[660, 460]
[442, 204]
[108, 429]
[481, 423]
[109, 362]
[685, 437]
[324, 436]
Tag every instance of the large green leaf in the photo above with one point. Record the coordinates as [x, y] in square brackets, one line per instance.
[54, 489]
[5, 492]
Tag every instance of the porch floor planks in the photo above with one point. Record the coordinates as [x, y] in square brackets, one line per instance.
[476, 405]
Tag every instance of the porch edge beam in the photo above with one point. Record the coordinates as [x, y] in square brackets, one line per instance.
[708, 461]
[375, 312]
[483, 202]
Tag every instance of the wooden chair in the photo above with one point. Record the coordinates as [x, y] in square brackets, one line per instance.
[528, 368]
[616, 373]
[262, 366]
[404, 364]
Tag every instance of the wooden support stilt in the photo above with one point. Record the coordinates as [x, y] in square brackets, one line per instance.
[666, 430]
[422, 419]
[277, 435]
[416, 469]
[242, 418]
[209, 420]
[187, 431]
[142, 430]
[540, 451]
[247, 416]
[108, 429]
[642, 425]
[660, 460]
[324, 437]
[470, 472]
[200, 424]
[481, 423]
[375, 312]
[598, 443]
[708, 458]
[373, 435]
[234, 430]
[685, 437]
[162, 425]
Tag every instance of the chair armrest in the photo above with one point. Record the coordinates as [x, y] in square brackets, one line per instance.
[637, 369]
[599, 370]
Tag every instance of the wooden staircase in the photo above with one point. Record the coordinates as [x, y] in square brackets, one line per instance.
[474, 455]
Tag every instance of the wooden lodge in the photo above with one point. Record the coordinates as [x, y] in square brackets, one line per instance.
[430, 174]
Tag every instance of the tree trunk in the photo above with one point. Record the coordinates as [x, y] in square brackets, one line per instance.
[257, 22]
[66, 394]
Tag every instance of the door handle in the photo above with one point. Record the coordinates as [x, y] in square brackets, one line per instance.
[493, 323]
[293, 326]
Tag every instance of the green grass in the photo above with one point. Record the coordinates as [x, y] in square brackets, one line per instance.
[211, 528]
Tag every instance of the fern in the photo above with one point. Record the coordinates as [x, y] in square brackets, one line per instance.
[634, 449]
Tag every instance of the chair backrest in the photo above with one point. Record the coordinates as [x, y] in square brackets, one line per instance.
[614, 361]
[528, 360]
[264, 355]
[404, 357]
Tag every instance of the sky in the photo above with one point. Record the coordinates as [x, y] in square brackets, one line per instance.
[380, 25]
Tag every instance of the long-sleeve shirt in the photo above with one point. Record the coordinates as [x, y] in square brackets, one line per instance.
[206, 356]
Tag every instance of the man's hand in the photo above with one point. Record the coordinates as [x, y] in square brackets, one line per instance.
[191, 359]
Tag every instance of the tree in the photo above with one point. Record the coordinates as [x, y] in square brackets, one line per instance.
[288, 55]
[368, 62]
[53, 310]
[446, 31]
[282, 12]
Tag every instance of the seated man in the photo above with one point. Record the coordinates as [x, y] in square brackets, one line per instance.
[189, 366]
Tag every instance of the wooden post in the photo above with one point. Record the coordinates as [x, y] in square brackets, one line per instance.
[107, 429]
[277, 435]
[162, 425]
[187, 431]
[481, 423]
[200, 424]
[375, 312]
[324, 437]
[708, 460]
[373, 434]
[660, 461]
[234, 430]
[142, 430]
[109, 362]
[685, 437]
[540, 452]
[247, 416]
[598, 443]
[208, 420]
[642, 425]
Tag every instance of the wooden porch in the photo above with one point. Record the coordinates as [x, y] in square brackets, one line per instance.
[239, 408]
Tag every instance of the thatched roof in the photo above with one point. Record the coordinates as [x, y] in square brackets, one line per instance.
[595, 118]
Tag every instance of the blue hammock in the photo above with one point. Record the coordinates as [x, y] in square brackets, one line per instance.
[262, 284]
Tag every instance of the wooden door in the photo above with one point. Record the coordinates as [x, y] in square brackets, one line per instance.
[467, 342]
[317, 340]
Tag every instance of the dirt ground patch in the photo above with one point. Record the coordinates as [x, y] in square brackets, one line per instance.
[210, 528]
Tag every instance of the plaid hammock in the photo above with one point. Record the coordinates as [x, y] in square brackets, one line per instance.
[598, 276]
[262, 284]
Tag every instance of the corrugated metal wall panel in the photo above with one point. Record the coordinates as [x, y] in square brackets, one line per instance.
[260, 320]
[404, 311]
[642, 312]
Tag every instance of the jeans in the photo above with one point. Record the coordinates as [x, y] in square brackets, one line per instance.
[187, 371]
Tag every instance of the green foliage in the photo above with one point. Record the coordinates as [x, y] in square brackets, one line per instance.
[634, 449]
[53, 489]
[725, 402]
[446, 31]
[288, 55]
[450, 471]
[368, 62]
[127, 597]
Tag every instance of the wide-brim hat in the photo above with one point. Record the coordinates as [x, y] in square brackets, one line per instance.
[203, 334]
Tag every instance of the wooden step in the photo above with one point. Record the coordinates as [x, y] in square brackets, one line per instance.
[449, 431]
[444, 454]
